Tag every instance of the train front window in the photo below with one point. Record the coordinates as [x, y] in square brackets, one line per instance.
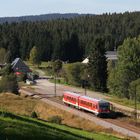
[104, 106]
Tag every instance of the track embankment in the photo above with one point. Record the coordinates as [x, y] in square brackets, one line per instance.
[114, 124]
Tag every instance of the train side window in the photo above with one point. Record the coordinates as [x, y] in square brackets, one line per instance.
[73, 99]
[83, 102]
[94, 106]
[90, 104]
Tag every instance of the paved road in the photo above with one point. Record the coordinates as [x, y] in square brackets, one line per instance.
[45, 87]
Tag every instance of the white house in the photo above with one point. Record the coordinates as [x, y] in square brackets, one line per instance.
[111, 55]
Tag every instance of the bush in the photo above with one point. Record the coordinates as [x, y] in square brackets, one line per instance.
[8, 83]
[55, 119]
[21, 77]
[6, 70]
[73, 73]
[34, 115]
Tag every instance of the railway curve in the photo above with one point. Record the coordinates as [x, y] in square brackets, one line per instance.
[116, 125]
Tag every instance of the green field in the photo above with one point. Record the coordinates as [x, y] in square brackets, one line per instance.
[15, 127]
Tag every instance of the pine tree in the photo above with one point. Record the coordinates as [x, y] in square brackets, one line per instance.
[2, 55]
[97, 65]
[8, 83]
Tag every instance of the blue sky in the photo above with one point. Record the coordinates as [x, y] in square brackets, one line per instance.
[36, 7]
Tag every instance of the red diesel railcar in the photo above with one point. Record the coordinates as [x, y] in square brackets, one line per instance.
[71, 98]
[96, 106]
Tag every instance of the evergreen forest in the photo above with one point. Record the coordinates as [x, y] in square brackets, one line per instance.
[67, 39]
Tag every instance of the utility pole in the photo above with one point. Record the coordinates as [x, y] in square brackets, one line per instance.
[135, 106]
[86, 84]
[55, 85]
[85, 87]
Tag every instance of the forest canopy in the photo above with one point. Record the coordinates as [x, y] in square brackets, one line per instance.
[67, 39]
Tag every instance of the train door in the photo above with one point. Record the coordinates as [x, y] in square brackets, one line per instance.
[95, 108]
[112, 108]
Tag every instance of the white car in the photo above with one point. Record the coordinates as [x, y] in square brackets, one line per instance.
[30, 82]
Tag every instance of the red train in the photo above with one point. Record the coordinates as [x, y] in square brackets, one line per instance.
[97, 106]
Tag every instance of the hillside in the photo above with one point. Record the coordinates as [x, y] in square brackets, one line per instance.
[34, 18]
[26, 105]
[33, 129]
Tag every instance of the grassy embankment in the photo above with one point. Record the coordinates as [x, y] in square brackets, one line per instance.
[15, 125]
[123, 101]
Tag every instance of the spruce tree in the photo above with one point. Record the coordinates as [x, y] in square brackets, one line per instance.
[97, 65]
[2, 55]
[8, 82]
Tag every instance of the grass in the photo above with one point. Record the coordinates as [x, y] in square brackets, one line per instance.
[15, 127]
[22, 105]
[42, 69]
[17, 104]
[123, 101]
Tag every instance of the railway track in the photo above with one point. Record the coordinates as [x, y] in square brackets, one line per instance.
[115, 122]
[124, 125]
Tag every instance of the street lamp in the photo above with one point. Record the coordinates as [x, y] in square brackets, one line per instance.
[84, 84]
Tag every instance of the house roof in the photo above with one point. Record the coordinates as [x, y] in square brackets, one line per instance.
[85, 61]
[19, 66]
[111, 55]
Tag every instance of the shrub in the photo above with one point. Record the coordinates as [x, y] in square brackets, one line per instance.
[72, 73]
[8, 83]
[6, 70]
[55, 119]
[21, 77]
[34, 114]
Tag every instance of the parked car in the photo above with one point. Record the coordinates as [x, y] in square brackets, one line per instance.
[30, 82]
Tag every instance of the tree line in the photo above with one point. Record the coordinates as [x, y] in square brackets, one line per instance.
[67, 39]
